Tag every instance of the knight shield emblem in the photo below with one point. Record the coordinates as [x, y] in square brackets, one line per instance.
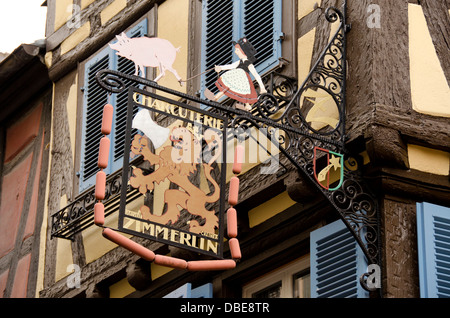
[328, 168]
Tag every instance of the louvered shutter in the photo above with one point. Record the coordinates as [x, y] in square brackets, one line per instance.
[94, 100]
[225, 21]
[181, 292]
[121, 100]
[337, 262]
[262, 26]
[186, 291]
[203, 291]
[218, 19]
[433, 235]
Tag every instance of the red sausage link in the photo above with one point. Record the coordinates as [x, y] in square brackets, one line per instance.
[108, 111]
[100, 185]
[170, 262]
[211, 265]
[103, 153]
[238, 159]
[129, 244]
[99, 214]
[235, 248]
[232, 228]
[234, 191]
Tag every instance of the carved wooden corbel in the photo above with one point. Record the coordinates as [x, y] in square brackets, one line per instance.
[139, 274]
[386, 147]
[299, 189]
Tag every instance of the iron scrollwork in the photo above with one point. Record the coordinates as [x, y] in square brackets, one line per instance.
[290, 112]
[78, 215]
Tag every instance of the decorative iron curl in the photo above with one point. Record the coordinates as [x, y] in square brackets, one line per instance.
[242, 123]
[332, 15]
[328, 75]
[283, 87]
[110, 82]
[359, 212]
[267, 105]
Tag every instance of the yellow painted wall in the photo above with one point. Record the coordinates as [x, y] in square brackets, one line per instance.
[269, 209]
[305, 46]
[76, 38]
[48, 59]
[306, 6]
[63, 258]
[429, 160]
[63, 11]
[430, 91]
[173, 25]
[120, 289]
[85, 3]
[95, 244]
[112, 10]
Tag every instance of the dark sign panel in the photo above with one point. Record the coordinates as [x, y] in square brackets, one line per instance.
[182, 175]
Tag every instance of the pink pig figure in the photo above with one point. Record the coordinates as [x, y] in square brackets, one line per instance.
[146, 51]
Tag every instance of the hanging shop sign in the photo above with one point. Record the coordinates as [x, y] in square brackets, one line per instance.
[182, 141]
[183, 183]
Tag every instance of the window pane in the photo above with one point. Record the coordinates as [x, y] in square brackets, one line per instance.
[273, 291]
[302, 285]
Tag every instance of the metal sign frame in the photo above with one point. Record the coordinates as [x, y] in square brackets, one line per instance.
[175, 231]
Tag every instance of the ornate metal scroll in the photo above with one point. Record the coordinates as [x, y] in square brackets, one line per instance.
[78, 215]
[325, 84]
[290, 116]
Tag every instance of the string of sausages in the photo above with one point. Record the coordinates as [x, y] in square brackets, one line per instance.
[145, 253]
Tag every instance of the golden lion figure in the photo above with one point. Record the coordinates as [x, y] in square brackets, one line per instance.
[176, 163]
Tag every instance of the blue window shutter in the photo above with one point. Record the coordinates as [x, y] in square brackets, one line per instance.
[337, 262]
[94, 100]
[433, 235]
[121, 101]
[262, 26]
[217, 35]
[186, 291]
[225, 21]
[204, 291]
[181, 292]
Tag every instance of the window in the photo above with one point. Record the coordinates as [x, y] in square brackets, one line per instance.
[225, 21]
[337, 262]
[94, 98]
[433, 235]
[273, 291]
[302, 284]
[289, 281]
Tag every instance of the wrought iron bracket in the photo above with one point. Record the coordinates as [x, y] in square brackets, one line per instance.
[286, 109]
